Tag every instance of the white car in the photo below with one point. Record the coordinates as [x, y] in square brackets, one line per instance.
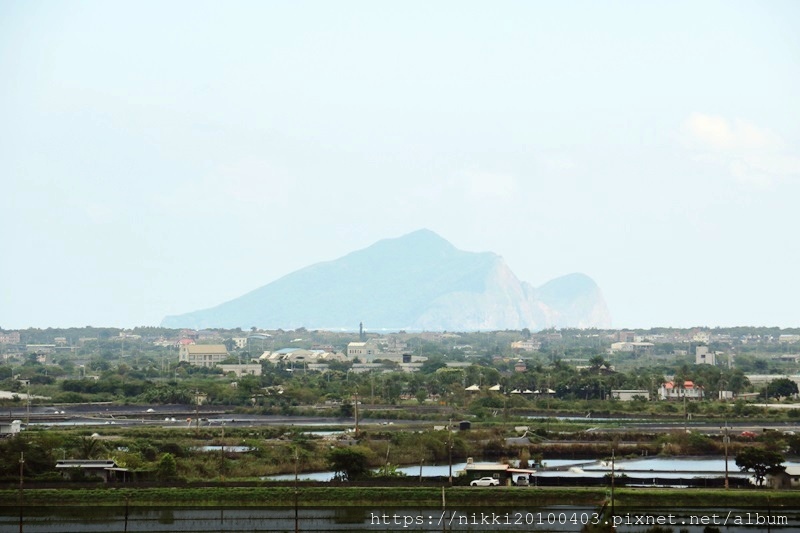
[484, 482]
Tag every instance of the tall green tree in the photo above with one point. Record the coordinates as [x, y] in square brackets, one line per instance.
[761, 462]
[350, 463]
[88, 447]
[781, 388]
[167, 467]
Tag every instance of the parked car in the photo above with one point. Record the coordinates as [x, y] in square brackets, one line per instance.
[485, 482]
[522, 481]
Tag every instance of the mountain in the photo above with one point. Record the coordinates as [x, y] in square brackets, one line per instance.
[415, 282]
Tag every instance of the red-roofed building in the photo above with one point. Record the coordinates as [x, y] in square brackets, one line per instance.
[690, 391]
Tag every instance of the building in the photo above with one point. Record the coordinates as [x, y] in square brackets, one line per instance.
[637, 348]
[240, 343]
[760, 380]
[207, 355]
[689, 391]
[9, 337]
[401, 358]
[105, 469]
[361, 368]
[626, 336]
[40, 348]
[9, 429]
[504, 473]
[702, 356]
[362, 350]
[300, 356]
[726, 395]
[242, 369]
[788, 479]
[526, 346]
[630, 394]
[405, 362]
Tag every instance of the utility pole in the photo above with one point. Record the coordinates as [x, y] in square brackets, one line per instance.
[296, 514]
[28, 405]
[197, 411]
[222, 456]
[450, 452]
[356, 412]
[612, 481]
[685, 412]
[725, 440]
[21, 466]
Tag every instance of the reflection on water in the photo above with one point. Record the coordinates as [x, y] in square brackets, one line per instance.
[664, 467]
[437, 470]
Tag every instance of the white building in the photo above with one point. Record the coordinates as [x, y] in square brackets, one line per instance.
[240, 342]
[252, 369]
[301, 356]
[207, 355]
[10, 428]
[702, 356]
[638, 348]
[629, 394]
[526, 346]
[690, 391]
[362, 350]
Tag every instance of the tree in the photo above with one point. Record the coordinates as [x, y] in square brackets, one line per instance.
[736, 380]
[89, 447]
[349, 463]
[433, 364]
[390, 470]
[167, 467]
[794, 444]
[40, 453]
[346, 410]
[421, 395]
[760, 462]
[597, 362]
[781, 388]
[524, 458]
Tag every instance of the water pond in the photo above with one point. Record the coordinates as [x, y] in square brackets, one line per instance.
[262, 520]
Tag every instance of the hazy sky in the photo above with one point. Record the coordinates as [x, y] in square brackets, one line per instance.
[160, 157]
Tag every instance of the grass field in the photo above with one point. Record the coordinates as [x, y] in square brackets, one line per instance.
[402, 497]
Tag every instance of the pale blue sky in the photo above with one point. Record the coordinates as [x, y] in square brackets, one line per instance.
[160, 157]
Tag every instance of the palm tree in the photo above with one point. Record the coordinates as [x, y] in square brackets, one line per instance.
[89, 447]
[597, 362]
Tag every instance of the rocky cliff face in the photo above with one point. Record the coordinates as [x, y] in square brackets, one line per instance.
[415, 282]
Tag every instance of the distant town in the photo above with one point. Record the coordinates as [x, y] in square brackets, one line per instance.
[285, 369]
